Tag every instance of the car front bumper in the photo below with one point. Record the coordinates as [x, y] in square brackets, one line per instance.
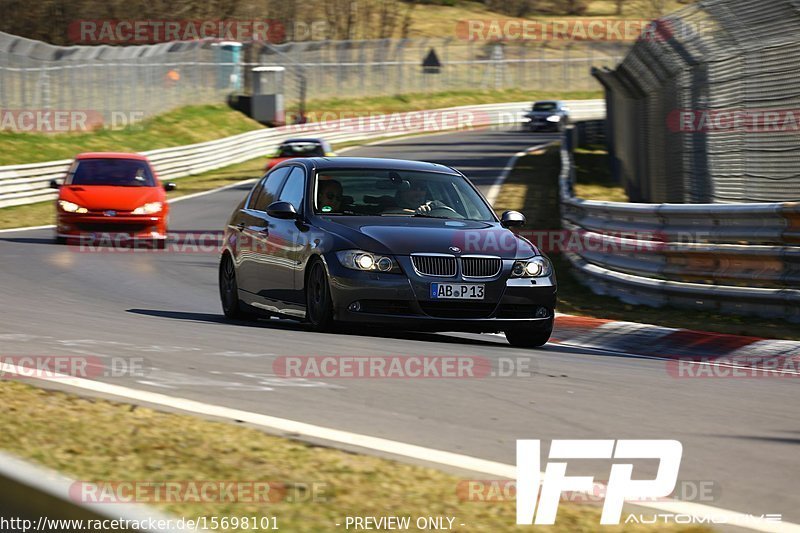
[404, 300]
[91, 227]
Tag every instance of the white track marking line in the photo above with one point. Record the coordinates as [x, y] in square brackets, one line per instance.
[389, 140]
[402, 449]
[212, 191]
[494, 189]
[27, 228]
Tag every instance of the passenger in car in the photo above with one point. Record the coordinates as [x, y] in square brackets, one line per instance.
[329, 196]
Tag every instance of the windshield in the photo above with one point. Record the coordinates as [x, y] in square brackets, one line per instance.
[301, 149]
[398, 193]
[545, 106]
[115, 172]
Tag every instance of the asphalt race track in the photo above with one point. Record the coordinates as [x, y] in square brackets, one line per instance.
[740, 434]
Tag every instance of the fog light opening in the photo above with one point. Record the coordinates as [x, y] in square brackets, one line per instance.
[354, 307]
[384, 264]
[542, 312]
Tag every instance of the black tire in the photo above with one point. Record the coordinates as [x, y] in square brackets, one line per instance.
[59, 240]
[532, 336]
[319, 305]
[229, 290]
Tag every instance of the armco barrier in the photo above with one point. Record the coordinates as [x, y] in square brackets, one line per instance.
[730, 258]
[25, 184]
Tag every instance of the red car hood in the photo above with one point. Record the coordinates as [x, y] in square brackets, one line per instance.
[101, 197]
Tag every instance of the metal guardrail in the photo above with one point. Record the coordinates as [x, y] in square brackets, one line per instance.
[730, 258]
[48, 501]
[26, 184]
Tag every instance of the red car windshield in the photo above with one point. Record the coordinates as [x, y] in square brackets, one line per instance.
[115, 172]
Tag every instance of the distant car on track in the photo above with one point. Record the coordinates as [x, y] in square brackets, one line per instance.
[548, 115]
[377, 241]
[109, 193]
[292, 148]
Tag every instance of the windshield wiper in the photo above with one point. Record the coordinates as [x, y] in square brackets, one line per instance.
[420, 215]
[423, 215]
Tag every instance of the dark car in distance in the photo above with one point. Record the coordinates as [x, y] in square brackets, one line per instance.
[291, 148]
[407, 244]
[547, 115]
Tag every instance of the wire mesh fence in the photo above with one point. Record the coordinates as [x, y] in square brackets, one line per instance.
[710, 111]
[395, 66]
[123, 84]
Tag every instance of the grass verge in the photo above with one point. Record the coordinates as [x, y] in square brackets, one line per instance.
[531, 187]
[193, 124]
[202, 123]
[98, 440]
[593, 180]
[186, 125]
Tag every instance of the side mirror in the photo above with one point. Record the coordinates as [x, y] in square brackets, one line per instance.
[170, 186]
[54, 184]
[512, 219]
[282, 210]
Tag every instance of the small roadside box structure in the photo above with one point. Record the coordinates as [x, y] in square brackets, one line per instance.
[267, 104]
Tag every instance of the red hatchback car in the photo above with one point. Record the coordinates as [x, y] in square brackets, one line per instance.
[112, 195]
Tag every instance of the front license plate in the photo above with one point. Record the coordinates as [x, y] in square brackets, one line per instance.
[456, 291]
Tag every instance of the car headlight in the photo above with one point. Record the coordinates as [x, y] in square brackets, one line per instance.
[148, 209]
[69, 207]
[367, 261]
[554, 118]
[537, 267]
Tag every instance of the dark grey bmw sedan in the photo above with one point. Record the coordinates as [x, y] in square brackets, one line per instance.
[405, 244]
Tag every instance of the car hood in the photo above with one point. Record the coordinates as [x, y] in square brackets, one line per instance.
[102, 197]
[407, 235]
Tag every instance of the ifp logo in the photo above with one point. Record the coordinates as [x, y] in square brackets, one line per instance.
[620, 488]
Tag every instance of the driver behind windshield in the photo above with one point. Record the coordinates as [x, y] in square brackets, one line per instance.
[413, 198]
[329, 195]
